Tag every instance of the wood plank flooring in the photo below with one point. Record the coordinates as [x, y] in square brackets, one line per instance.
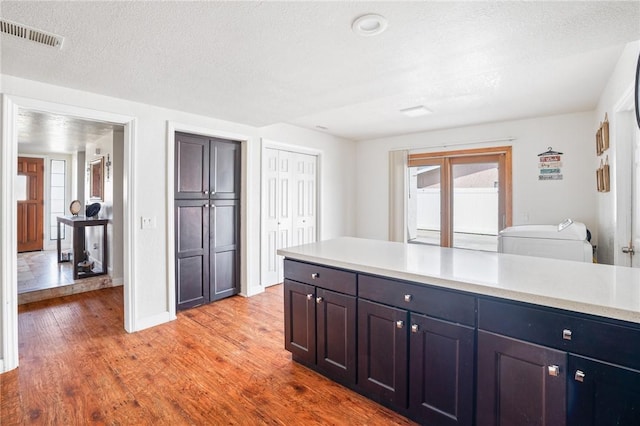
[222, 363]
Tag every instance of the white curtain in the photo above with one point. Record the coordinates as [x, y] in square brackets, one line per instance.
[398, 161]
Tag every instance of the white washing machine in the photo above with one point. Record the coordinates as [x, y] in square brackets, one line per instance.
[567, 240]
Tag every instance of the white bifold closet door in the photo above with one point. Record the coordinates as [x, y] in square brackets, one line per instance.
[289, 191]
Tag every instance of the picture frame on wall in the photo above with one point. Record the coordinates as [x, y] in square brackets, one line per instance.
[604, 133]
[96, 179]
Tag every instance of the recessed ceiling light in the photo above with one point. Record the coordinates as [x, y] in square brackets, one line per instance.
[416, 111]
[369, 24]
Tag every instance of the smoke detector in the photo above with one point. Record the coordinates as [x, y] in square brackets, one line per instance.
[30, 34]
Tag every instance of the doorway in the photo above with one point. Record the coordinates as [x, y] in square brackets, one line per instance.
[8, 255]
[459, 199]
[55, 152]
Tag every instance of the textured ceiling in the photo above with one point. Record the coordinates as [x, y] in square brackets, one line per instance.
[43, 132]
[261, 63]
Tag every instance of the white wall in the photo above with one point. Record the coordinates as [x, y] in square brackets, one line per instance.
[534, 202]
[150, 192]
[614, 207]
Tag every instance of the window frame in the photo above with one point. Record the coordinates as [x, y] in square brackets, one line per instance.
[446, 160]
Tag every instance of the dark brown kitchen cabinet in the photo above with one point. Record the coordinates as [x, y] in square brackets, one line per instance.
[602, 394]
[320, 323]
[519, 383]
[416, 349]
[382, 352]
[336, 334]
[441, 371]
[207, 219]
[300, 321]
[444, 357]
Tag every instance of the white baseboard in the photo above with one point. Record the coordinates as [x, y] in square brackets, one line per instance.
[152, 321]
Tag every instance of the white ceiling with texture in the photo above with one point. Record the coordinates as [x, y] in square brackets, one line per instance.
[261, 63]
[40, 132]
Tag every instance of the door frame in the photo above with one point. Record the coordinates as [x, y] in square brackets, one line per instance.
[245, 233]
[269, 143]
[622, 141]
[8, 214]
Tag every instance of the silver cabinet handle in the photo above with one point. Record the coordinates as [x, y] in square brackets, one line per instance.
[315, 276]
[205, 192]
[415, 328]
[319, 299]
[579, 376]
[554, 370]
[408, 298]
[566, 334]
[309, 296]
[400, 324]
[206, 206]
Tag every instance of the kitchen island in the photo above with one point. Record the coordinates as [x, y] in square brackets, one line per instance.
[450, 336]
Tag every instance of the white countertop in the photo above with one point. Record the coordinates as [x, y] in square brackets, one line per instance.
[603, 290]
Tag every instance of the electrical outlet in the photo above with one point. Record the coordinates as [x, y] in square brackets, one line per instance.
[148, 222]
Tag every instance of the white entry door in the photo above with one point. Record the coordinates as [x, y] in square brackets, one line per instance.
[289, 190]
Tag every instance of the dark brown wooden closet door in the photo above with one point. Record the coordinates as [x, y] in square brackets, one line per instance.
[192, 252]
[191, 167]
[224, 248]
[224, 169]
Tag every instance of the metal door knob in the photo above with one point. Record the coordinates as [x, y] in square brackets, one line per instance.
[319, 299]
[579, 376]
[205, 192]
[400, 324]
[566, 334]
[415, 328]
[309, 296]
[408, 298]
[554, 370]
[315, 275]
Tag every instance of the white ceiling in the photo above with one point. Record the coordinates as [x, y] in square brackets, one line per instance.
[266, 62]
[44, 132]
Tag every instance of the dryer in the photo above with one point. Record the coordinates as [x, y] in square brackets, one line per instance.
[567, 240]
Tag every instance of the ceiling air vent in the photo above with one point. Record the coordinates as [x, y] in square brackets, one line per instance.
[31, 34]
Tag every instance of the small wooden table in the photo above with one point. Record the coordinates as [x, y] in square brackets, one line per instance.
[78, 223]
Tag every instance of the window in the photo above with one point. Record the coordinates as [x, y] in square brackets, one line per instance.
[459, 198]
[21, 187]
[57, 190]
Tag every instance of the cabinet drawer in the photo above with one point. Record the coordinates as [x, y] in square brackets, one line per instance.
[321, 276]
[456, 307]
[614, 343]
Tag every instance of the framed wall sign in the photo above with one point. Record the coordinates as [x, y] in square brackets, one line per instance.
[96, 179]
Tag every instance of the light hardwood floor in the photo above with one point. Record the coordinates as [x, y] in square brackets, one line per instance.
[223, 363]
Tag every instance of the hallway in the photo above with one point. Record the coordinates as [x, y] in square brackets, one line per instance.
[41, 277]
